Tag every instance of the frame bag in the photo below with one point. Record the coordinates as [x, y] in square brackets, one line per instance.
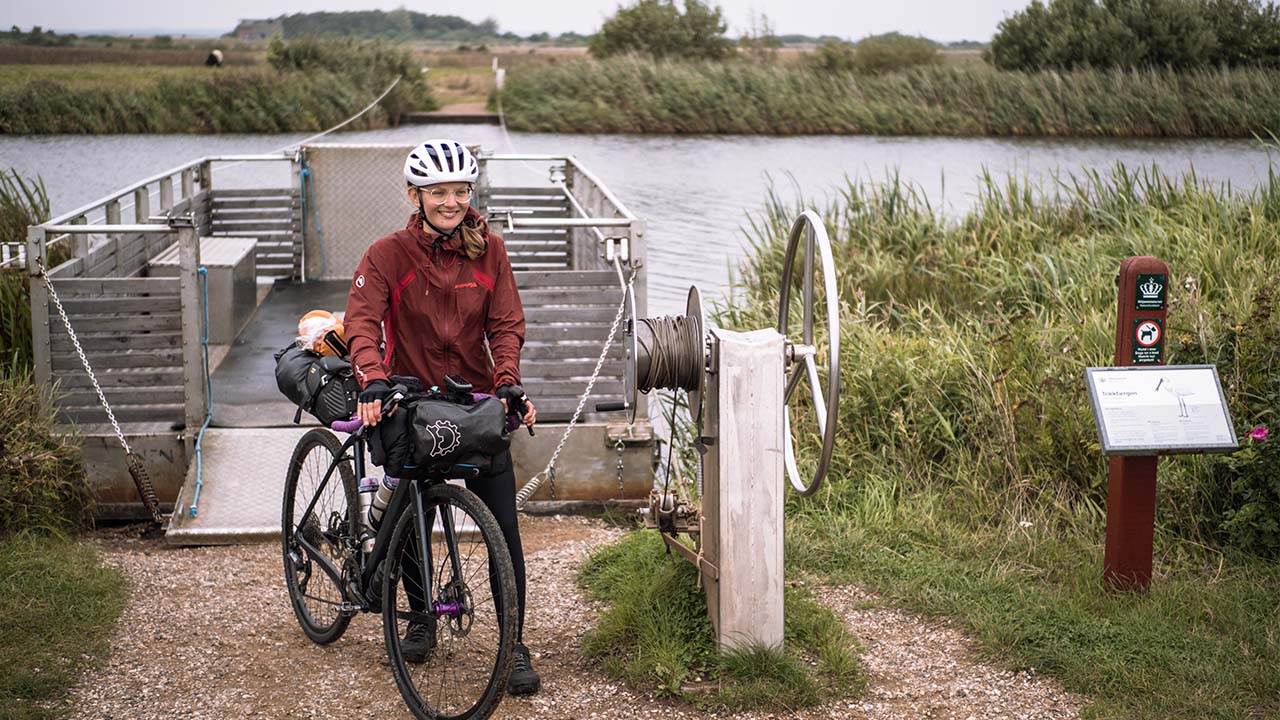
[325, 386]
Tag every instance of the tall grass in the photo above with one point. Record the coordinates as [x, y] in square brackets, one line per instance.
[22, 203]
[967, 478]
[57, 607]
[632, 95]
[656, 634]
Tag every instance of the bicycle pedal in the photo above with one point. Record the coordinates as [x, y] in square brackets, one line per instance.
[349, 608]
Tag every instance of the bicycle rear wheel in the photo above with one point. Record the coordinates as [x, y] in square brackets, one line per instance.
[470, 612]
[309, 574]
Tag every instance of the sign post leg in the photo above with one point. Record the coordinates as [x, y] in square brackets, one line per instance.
[1131, 516]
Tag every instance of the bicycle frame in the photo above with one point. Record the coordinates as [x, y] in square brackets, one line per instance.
[353, 449]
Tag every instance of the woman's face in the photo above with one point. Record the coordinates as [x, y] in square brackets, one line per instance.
[445, 204]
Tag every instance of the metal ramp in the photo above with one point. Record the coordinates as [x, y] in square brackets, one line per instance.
[242, 486]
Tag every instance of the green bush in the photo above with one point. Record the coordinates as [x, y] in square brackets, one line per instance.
[42, 481]
[833, 56]
[1178, 34]
[657, 28]
[892, 52]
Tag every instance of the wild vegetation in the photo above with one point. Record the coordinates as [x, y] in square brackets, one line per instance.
[309, 85]
[968, 480]
[656, 634]
[638, 95]
[1177, 34]
[57, 604]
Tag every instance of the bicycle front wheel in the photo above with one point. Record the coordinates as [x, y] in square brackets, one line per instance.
[449, 618]
[313, 571]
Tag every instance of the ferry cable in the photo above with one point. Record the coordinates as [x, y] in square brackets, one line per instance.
[129, 203]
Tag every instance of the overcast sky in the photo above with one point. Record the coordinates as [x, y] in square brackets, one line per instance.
[937, 19]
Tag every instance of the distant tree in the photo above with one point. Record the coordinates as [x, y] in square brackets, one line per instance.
[540, 37]
[1067, 34]
[760, 39]
[893, 51]
[833, 56]
[659, 29]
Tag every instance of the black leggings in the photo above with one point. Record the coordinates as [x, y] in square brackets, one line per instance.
[497, 490]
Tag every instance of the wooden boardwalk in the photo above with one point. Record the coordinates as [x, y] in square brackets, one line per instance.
[455, 114]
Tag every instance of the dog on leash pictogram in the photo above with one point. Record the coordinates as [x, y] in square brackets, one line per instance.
[1147, 334]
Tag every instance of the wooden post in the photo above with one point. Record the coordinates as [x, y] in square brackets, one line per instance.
[745, 483]
[192, 297]
[113, 218]
[79, 245]
[637, 251]
[42, 367]
[1131, 481]
[142, 205]
[166, 192]
[187, 183]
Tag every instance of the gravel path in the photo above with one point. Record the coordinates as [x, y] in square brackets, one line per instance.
[208, 633]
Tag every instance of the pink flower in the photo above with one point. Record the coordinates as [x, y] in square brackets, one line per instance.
[1258, 433]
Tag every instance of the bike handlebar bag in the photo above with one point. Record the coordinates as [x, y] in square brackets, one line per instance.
[435, 438]
[324, 386]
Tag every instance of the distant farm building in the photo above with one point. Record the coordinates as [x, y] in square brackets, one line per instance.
[258, 29]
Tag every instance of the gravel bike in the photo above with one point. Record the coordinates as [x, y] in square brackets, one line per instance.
[336, 566]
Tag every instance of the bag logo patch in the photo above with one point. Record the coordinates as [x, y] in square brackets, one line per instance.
[360, 281]
[445, 437]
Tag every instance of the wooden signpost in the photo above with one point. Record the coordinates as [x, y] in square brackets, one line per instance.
[1145, 409]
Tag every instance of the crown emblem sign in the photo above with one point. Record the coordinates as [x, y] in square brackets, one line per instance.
[1151, 288]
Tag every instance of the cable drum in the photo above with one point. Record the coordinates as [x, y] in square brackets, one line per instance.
[669, 353]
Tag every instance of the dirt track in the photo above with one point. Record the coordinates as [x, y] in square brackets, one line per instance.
[208, 633]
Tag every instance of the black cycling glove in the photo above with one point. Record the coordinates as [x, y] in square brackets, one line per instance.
[376, 390]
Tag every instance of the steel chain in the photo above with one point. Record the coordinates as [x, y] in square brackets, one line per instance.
[136, 469]
[536, 481]
[53, 294]
[619, 446]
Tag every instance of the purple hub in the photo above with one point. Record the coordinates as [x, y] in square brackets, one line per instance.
[452, 609]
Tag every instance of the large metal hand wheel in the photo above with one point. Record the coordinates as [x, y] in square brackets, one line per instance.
[800, 355]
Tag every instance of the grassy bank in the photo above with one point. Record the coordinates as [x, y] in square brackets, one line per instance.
[656, 635]
[307, 85]
[642, 96]
[57, 607]
[967, 479]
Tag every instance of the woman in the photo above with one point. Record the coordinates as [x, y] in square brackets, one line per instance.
[441, 294]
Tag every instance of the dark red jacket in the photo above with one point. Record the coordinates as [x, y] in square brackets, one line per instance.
[439, 311]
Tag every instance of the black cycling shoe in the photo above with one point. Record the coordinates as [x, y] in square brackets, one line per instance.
[524, 679]
[418, 643]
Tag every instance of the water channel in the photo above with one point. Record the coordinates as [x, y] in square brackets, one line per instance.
[695, 192]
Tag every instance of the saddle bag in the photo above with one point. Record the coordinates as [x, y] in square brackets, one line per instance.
[324, 386]
[438, 438]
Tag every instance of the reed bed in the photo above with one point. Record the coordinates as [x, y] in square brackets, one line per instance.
[634, 95]
[968, 479]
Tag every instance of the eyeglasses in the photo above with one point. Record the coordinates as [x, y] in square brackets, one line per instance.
[440, 195]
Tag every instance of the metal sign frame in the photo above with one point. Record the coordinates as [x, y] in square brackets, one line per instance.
[1104, 437]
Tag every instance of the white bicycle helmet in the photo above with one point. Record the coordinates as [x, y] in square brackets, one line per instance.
[440, 161]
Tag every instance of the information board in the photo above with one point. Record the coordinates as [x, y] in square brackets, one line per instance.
[1160, 410]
